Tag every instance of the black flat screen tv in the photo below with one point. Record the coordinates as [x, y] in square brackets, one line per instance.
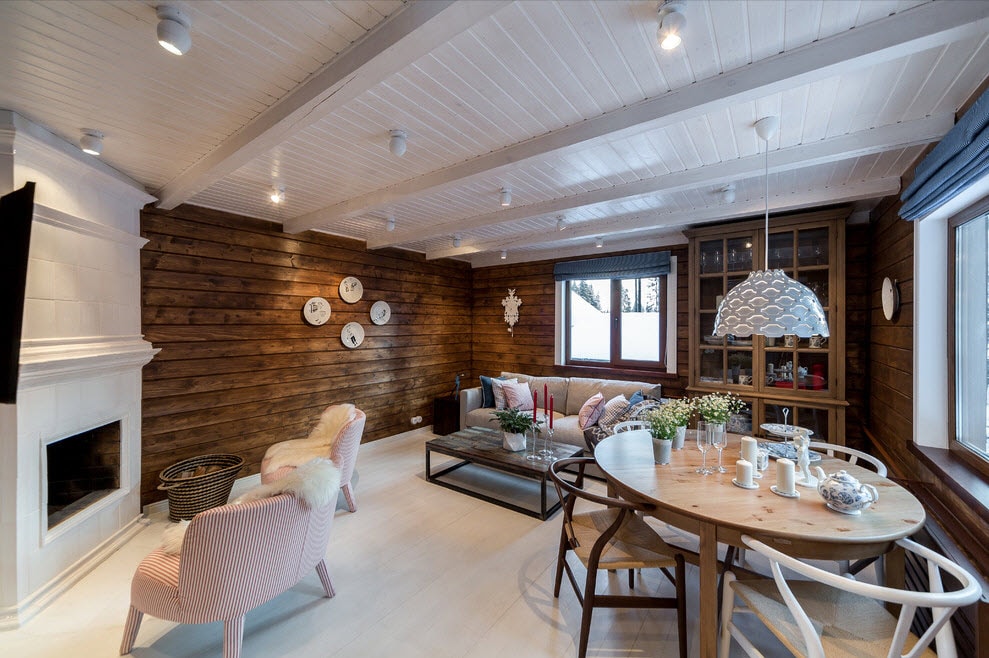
[16, 212]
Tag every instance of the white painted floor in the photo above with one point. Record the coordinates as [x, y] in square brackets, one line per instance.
[419, 571]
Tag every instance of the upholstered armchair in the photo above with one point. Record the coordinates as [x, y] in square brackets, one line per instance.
[234, 558]
[336, 436]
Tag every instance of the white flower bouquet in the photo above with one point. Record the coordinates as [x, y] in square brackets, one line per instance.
[719, 407]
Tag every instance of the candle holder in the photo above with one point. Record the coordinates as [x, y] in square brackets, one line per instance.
[548, 448]
[530, 446]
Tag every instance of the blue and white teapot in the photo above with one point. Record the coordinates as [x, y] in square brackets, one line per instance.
[843, 493]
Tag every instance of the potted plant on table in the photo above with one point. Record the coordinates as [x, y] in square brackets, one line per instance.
[515, 423]
[663, 428]
[681, 410]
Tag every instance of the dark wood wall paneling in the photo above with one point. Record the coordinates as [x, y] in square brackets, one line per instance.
[239, 370]
[857, 325]
[530, 349]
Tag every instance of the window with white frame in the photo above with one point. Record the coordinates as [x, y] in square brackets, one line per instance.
[970, 297]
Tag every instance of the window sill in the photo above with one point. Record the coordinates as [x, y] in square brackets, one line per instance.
[959, 476]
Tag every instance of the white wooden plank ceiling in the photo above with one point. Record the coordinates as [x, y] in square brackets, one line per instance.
[570, 104]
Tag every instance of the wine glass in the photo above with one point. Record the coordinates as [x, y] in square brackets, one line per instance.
[703, 445]
[720, 441]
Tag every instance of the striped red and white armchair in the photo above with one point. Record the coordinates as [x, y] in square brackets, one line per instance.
[336, 436]
[234, 558]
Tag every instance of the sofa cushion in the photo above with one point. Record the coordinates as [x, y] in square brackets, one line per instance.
[518, 395]
[582, 388]
[613, 409]
[636, 398]
[590, 412]
[487, 394]
[555, 386]
[499, 392]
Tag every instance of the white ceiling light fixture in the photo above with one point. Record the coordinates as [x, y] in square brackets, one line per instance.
[599, 242]
[91, 141]
[728, 193]
[397, 143]
[560, 224]
[456, 240]
[768, 302]
[506, 196]
[504, 254]
[671, 24]
[390, 223]
[278, 194]
[173, 29]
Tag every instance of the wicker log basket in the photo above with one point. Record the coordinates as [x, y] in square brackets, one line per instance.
[199, 483]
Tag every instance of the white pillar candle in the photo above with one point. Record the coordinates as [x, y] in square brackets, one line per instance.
[743, 472]
[785, 476]
[750, 449]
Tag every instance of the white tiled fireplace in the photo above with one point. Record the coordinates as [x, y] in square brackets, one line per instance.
[80, 362]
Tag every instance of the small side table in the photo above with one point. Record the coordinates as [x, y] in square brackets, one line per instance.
[446, 415]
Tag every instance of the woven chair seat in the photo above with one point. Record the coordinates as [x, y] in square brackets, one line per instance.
[850, 625]
[635, 546]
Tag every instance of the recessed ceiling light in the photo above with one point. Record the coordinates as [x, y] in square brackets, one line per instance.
[506, 196]
[278, 194]
[173, 29]
[396, 142]
[91, 141]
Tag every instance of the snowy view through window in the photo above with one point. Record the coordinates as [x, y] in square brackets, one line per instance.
[590, 320]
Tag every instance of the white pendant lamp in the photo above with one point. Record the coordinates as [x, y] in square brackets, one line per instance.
[768, 302]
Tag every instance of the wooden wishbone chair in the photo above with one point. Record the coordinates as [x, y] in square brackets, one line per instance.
[612, 537]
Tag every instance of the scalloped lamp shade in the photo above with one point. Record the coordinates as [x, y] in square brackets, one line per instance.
[769, 303]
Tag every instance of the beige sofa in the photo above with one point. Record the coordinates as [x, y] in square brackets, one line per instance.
[569, 395]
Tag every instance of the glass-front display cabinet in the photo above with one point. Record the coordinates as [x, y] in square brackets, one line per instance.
[803, 375]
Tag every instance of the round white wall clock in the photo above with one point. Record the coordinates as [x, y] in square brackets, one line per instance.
[380, 312]
[352, 334]
[891, 298]
[316, 311]
[351, 290]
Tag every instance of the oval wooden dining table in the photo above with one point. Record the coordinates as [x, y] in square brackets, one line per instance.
[714, 509]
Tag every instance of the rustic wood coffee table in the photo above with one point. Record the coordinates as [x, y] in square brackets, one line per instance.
[482, 446]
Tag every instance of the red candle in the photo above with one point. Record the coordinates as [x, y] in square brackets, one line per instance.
[535, 396]
[545, 398]
[551, 412]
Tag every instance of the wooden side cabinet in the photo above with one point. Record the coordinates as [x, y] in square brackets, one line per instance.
[806, 376]
[446, 415]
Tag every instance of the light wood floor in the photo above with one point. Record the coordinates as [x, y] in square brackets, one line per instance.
[419, 571]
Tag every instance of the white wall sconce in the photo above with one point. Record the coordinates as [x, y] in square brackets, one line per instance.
[91, 141]
[173, 29]
[397, 142]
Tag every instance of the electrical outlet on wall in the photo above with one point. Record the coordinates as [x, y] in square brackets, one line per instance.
[416, 420]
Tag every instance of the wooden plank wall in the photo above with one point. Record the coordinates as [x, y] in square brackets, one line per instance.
[530, 350]
[239, 370]
[858, 313]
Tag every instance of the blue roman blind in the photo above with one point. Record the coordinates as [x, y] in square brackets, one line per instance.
[959, 160]
[633, 266]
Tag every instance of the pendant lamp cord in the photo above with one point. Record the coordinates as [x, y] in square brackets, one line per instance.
[767, 206]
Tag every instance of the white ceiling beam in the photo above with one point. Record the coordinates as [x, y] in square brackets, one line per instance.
[915, 29]
[853, 145]
[412, 32]
[670, 238]
[652, 221]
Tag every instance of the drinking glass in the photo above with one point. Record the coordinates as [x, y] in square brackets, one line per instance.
[703, 445]
[719, 441]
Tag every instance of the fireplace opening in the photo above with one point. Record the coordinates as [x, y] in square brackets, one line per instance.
[82, 469]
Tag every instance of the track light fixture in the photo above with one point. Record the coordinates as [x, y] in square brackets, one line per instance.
[278, 194]
[560, 224]
[728, 193]
[504, 254]
[390, 224]
[599, 243]
[456, 240]
[506, 196]
[671, 24]
[91, 141]
[173, 29]
[396, 142]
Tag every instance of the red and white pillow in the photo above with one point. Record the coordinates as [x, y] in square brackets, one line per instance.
[498, 389]
[591, 411]
[518, 395]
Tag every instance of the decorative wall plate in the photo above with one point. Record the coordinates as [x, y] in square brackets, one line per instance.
[351, 290]
[380, 312]
[316, 311]
[352, 334]
[891, 298]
